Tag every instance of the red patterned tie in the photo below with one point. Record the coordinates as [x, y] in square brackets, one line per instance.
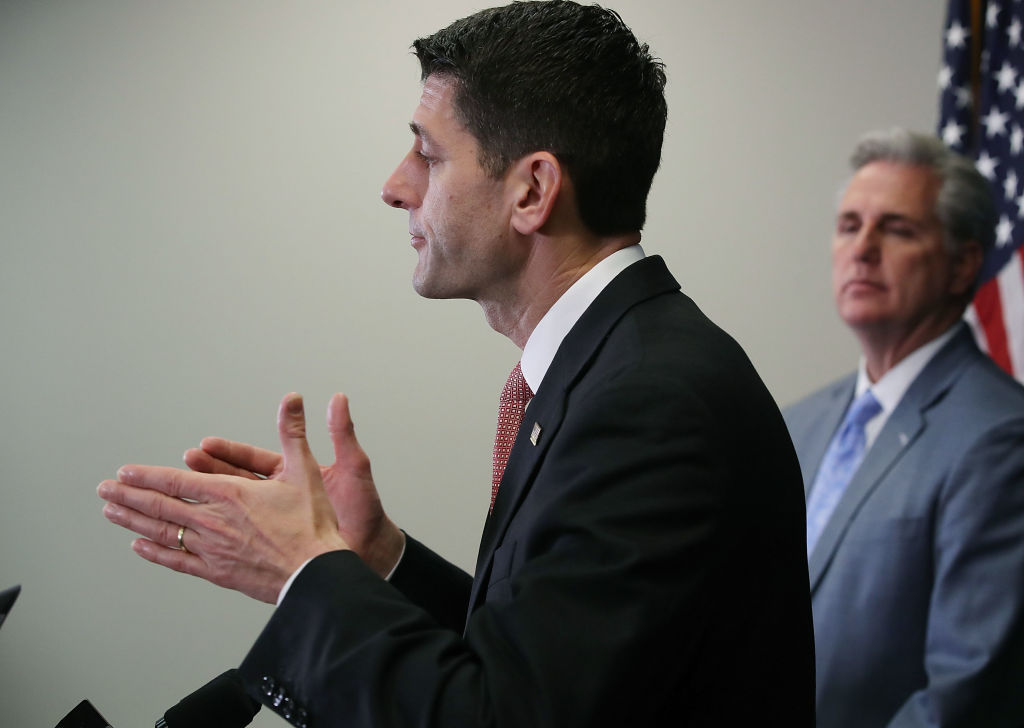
[511, 408]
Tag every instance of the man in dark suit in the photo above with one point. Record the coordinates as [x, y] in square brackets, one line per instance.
[642, 563]
[916, 552]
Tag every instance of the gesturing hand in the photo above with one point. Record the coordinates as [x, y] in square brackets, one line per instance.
[348, 481]
[240, 533]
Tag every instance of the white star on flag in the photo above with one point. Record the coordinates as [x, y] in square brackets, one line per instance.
[992, 15]
[1016, 139]
[956, 36]
[1004, 231]
[952, 133]
[986, 164]
[1010, 185]
[945, 77]
[995, 122]
[1007, 76]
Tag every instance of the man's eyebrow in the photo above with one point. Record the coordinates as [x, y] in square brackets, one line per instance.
[420, 132]
[884, 218]
[902, 218]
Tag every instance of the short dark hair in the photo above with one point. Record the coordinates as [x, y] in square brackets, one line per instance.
[565, 78]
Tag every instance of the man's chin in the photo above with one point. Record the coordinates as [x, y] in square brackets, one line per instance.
[864, 317]
[430, 289]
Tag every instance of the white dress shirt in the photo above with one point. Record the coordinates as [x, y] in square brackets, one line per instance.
[889, 390]
[547, 335]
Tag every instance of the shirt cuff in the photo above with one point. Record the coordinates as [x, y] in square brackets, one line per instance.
[295, 574]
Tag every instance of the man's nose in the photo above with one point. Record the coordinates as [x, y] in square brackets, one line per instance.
[866, 245]
[398, 189]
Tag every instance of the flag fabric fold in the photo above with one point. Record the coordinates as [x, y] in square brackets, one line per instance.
[981, 115]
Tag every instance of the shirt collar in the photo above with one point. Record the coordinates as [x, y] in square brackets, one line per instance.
[889, 390]
[547, 336]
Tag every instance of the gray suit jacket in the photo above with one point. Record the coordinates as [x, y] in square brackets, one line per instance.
[917, 581]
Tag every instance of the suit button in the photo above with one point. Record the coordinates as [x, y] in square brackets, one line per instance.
[268, 685]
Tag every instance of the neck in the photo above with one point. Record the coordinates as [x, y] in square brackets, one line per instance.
[551, 268]
[883, 350]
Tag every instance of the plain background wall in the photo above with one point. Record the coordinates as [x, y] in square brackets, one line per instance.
[190, 228]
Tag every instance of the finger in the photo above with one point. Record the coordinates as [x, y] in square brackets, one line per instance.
[291, 427]
[172, 558]
[247, 457]
[174, 482]
[148, 503]
[202, 462]
[343, 433]
[178, 483]
[164, 533]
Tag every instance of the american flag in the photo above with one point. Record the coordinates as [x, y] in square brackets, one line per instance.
[981, 88]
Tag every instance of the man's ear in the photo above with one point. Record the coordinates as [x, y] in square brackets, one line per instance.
[536, 183]
[966, 267]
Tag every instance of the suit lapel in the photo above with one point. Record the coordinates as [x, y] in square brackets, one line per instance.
[903, 428]
[642, 280]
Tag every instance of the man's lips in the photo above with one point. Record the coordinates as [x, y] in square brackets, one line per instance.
[862, 285]
[416, 240]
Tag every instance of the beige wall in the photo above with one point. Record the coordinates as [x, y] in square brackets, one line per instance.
[190, 227]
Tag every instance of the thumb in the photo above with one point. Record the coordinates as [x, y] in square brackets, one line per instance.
[343, 432]
[291, 427]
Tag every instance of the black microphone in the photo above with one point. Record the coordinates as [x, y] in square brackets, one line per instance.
[7, 597]
[83, 715]
[220, 703]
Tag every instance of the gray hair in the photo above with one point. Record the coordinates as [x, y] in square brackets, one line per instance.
[964, 203]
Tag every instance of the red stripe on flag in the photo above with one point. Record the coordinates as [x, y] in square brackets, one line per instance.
[989, 308]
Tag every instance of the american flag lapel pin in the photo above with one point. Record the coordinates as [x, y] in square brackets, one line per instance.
[535, 433]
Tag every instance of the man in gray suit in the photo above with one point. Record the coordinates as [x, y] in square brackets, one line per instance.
[914, 465]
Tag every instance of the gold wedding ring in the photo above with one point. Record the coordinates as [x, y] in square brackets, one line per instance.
[181, 540]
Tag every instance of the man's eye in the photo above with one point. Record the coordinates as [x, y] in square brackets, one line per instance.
[901, 231]
[429, 161]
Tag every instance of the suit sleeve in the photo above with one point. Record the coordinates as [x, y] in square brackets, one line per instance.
[612, 589]
[439, 587]
[974, 654]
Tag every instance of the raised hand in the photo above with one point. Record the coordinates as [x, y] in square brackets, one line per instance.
[348, 481]
[362, 521]
[240, 533]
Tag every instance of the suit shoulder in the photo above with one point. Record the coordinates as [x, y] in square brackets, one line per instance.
[674, 327]
[822, 399]
[983, 397]
[983, 378]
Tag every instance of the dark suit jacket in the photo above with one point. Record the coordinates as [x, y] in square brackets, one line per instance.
[644, 563]
[918, 578]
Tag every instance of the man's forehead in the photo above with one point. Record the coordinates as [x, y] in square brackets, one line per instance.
[891, 186]
[437, 92]
[435, 119]
[435, 100]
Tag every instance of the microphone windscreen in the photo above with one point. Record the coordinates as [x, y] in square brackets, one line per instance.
[220, 703]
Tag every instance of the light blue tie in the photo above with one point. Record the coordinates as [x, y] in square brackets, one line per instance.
[839, 464]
